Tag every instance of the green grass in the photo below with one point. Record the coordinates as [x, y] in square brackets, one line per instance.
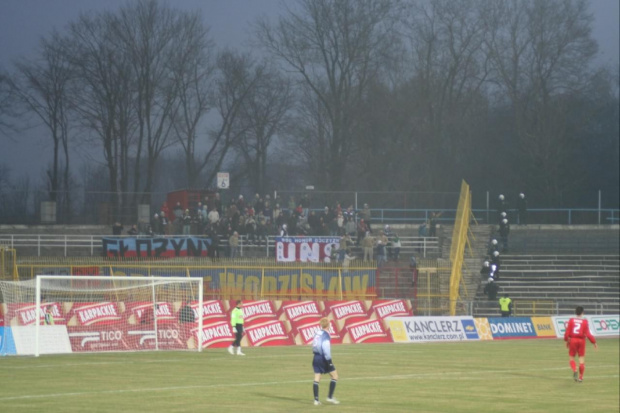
[487, 376]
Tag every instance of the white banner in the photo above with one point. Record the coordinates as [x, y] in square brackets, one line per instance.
[600, 325]
[421, 329]
[52, 340]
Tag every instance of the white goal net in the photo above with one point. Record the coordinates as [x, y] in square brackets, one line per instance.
[66, 314]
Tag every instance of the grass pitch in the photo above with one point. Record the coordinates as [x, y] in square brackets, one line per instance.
[487, 376]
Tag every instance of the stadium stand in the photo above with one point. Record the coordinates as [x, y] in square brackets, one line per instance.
[550, 270]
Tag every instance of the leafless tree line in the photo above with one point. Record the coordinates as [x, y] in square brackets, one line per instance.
[346, 94]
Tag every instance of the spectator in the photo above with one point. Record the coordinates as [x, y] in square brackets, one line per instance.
[349, 226]
[396, 245]
[384, 241]
[213, 216]
[362, 230]
[233, 244]
[368, 243]
[261, 228]
[178, 218]
[156, 224]
[164, 223]
[433, 224]
[380, 251]
[133, 231]
[505, 306]
[522, 209]
[347, 260]
[340, 223]
[366, 215]
[491, 289]
[345, 243]
[241, 204]
[268, 211]
[197, 226]
[305, 204]
[349, 214]
[187, 222]
[204, 213]
[250, 229]
[284, 230]
[276, 213]
[504, 230]
[217, 203]
[149, 231]
[257, 204]
[165, 209]
[117, 228]
[291, 203]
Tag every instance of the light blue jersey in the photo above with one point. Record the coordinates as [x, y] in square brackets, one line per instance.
[321, 344]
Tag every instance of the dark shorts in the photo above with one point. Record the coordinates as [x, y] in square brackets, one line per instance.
[320, 365]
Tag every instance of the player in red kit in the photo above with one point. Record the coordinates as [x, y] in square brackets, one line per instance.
[575, 336]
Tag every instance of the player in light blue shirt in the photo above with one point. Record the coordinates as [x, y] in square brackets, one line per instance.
[322, 362]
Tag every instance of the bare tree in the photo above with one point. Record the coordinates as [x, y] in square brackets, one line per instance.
[263, 114]
[103, 96]
[540, 59]
[7, 104]
[43, 88]
[334, 47]
[234, 81]
[151, 35]
[447, 81]
[193, 70]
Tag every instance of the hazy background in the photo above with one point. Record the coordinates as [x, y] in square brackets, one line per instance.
[23, 23]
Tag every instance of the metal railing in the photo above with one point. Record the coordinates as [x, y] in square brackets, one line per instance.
[91, 245]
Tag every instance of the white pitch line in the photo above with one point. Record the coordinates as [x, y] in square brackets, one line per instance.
[275, 383]
[219, 357]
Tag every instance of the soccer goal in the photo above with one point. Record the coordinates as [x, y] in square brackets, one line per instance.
[74, 314]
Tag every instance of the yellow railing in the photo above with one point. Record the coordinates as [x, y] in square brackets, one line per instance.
[459, 241]
[534, 307]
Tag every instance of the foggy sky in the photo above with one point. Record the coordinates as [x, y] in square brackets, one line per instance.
[24, 22]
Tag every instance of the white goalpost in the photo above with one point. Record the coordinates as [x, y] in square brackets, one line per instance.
[72, 314]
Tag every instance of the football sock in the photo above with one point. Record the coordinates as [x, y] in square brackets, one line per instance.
[332, 387]
[573, 366]
[582, 368]
[315, 389]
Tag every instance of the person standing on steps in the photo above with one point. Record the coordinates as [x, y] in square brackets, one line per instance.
[505, 306]
[236, 320]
